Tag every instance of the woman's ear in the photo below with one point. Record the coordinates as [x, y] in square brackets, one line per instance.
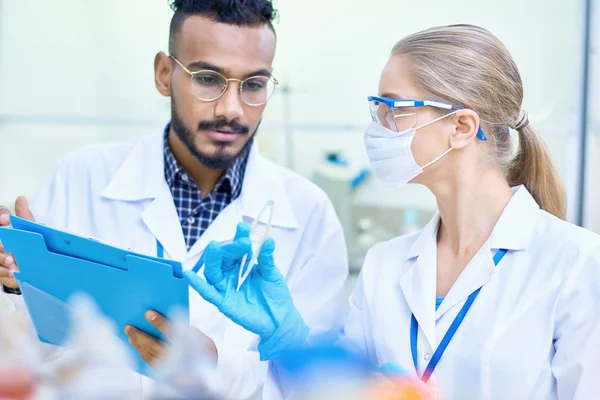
[466, 124]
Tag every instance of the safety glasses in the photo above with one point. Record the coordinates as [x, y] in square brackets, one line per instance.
[401, 114]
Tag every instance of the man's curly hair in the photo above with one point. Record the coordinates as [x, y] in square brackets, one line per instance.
[233, 12]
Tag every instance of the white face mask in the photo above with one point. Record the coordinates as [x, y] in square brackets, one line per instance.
[390, 154]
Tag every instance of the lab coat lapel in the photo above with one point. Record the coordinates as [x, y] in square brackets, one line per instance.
[141, 178]
[262, 183]
[162, 220]
[418, 281]
[477, 273]
[265, 181]
[512, 232]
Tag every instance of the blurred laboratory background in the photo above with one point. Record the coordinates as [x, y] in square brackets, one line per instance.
[76, 73]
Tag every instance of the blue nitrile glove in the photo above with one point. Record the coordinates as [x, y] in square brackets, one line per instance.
[263, 305]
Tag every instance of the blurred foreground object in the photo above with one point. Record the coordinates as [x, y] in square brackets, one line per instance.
[187, 370]
[91, 365]
[16, 383]
[329, 372]
[94, 364]
[400, 388]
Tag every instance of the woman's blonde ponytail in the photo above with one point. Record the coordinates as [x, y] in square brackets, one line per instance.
[533, 167]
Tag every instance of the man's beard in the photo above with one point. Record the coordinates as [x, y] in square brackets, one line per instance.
[219, 160]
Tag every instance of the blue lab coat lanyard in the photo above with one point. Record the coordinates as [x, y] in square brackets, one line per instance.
[160, 253]
[414, 329]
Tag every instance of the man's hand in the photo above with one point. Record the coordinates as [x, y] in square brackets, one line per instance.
[152, 349]
[7, 262]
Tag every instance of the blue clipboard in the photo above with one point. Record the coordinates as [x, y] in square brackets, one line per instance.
[123, 284]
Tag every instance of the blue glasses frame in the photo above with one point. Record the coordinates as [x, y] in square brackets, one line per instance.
[407, 103]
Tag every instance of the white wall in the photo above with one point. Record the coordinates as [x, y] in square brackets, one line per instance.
[333, 52]
[75, 73]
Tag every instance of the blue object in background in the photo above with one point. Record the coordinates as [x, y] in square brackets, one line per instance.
[337, 159]
[302, 364]
[123, 284]
[359, 177]
[332, 366]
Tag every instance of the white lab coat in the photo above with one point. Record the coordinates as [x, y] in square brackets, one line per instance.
[118, 193]
[532, 333]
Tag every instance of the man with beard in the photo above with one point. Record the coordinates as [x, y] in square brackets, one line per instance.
[170, 193]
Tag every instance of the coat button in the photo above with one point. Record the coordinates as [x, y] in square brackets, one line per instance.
[427, 356]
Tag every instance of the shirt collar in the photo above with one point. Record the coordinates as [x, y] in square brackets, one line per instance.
[231, 181]
[513, 231]
[141, 177]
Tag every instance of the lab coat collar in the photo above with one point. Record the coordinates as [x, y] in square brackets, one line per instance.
[264, 181]
[418, 280]
[142, 174]
[513, 231]
[425, 236]
[141, 178]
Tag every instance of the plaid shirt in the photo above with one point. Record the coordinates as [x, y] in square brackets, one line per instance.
[197, 213]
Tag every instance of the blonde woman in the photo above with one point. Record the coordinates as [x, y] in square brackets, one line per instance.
[497, 296]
